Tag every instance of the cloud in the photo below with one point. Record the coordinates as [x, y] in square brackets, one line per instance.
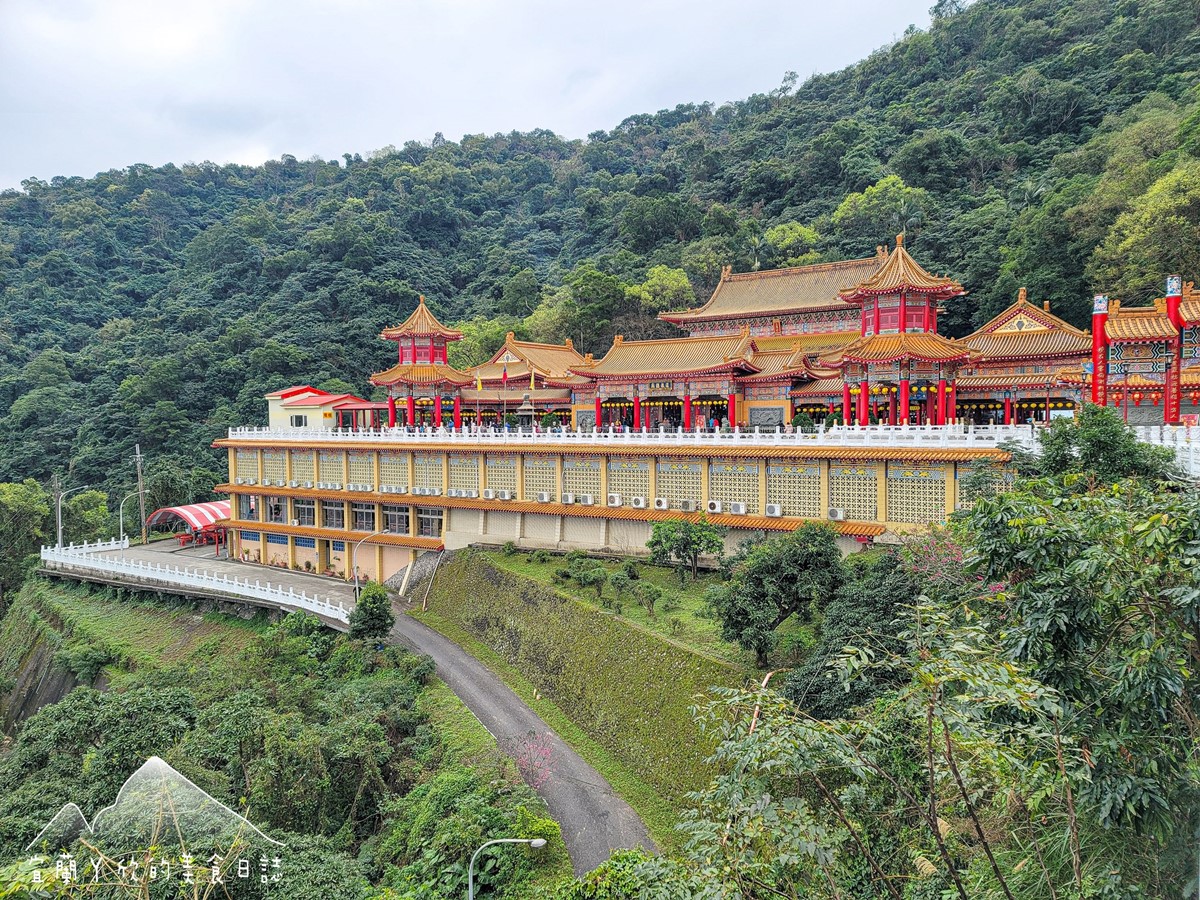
[87, 85]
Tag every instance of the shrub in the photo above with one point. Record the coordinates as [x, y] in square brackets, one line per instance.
[648, 595]
[372, 616]
[540, 556]
[630, 568]
[802, 421]
[509, 548]
[620, 583]
[670, 602]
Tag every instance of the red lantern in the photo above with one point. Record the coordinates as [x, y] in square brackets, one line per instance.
[1137, 398]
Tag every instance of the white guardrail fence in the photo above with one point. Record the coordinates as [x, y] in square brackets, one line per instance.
[1183, 439]
[88, 557]
[981, 436]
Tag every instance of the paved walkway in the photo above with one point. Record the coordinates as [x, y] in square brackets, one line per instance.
[595, 821]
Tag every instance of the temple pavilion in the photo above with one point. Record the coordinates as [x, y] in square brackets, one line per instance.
[856, 340]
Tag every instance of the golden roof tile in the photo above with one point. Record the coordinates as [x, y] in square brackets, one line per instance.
[1138, 324]
[881, 348]
[546, 359]
[406, 373]
[514, 396]
[422, 323]
[821, 387]
[1024, 330]
[675, 356]
[778, 291]
[902, 273]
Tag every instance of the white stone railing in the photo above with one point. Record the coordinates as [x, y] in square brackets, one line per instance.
[955, 436]
[1183, 439]
[84, 558]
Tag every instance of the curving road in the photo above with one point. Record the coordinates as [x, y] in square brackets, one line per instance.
[594, 820]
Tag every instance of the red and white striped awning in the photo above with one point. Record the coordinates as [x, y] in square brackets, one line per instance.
[198, 516]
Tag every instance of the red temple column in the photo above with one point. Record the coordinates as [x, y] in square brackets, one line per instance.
[637, 412]
[732, 412]
[941, 402]
[411, 409]
[437, 410]
[457, 413]
[646, 408]
[863, 411]
[1173, 382]
[599, 411]
[954, 401]
[891, 409]
[905, 393]
[847, 414]
[1099, 350]
[687, 412]
[391, 411]
[1008, 414]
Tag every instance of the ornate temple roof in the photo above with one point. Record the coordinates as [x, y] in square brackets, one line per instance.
[1024, 330]
[822, 387]
[674, 356]
[422, 323]
[778, 291]
[514, 397]
[886, 348]
[1138, 324]
[406, 373]
[546, 359]
[1027, 382]
[900, 272]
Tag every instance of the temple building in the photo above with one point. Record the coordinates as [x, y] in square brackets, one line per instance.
[855, 341]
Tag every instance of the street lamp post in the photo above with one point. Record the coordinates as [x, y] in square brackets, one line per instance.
[535, 843]
[58, 499]
[121, 512]
[354, 558]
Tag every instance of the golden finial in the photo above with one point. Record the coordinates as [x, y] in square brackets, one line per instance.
[1021, 294]
[570, 344]
[900, 240]
[509, 338]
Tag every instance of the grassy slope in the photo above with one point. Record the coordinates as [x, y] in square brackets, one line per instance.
[593, 724]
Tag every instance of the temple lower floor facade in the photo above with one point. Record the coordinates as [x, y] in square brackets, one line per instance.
[308, 506]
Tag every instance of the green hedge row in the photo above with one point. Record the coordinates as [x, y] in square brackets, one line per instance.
[628, 689]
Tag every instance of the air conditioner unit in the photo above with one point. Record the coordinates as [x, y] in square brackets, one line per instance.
[737, 509]
[543, 496]
[638, 502]
[774, 510]
[837, 514]
[249, 481]
[321, 485]
[279, 482]
[489, 494]
[418, 491]
[295, 523]
[433, 492]
[472, 493]
[587, 500]
[614, 499]
[335, 485]
[713, 506]
[504, 495]
[455, 492]
[351, 486]
[568, 499]
[307, 484]
[369, 488]
[239, 481]
[687, 505]
[662, 503]
[293, 484]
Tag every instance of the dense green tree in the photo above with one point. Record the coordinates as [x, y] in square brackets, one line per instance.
[24, 514]
[372, 617]
[775, 579]
[681, 543]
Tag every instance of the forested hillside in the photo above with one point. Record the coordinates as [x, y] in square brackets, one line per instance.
[1048, 143]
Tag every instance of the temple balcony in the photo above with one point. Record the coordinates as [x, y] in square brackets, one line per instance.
[928, 436]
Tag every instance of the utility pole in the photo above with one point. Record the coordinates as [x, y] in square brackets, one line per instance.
[56, 488]
[137, 458]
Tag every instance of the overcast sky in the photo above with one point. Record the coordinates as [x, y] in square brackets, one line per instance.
[90, 85]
